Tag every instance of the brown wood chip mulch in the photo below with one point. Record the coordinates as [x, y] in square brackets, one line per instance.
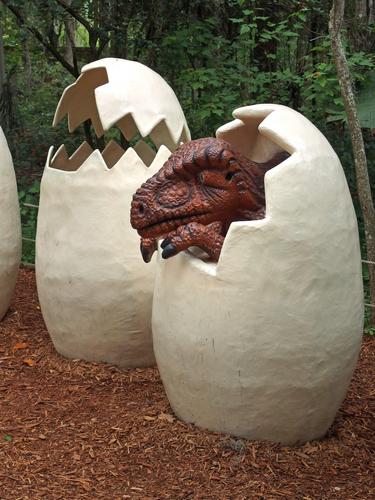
[76, 430]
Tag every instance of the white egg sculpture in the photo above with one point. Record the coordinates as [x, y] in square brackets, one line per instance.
[263, 344]
[95, 291]
[10, 227]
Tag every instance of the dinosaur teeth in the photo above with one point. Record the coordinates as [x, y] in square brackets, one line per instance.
[148, 248]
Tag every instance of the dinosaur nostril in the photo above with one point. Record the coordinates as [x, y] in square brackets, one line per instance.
[141, 208]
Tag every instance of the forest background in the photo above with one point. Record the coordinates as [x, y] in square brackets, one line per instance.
[217, 55]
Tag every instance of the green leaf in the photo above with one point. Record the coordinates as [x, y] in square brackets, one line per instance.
[265, 37]
[8, 437]
[244, 29]
[290, 34]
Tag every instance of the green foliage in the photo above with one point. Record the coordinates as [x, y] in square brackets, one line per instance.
[366, 103]
[368, 329]
[29, 195]
[217, 56]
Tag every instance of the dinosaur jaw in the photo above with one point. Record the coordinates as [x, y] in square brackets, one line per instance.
[159, 229]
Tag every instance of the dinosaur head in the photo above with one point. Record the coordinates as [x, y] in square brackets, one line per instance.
[203, 181]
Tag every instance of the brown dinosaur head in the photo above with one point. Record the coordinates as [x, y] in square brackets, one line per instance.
[204, 181]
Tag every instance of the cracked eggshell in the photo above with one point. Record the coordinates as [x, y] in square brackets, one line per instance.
[10, 227]
[127, 94]
[263, 344]
[94, 289]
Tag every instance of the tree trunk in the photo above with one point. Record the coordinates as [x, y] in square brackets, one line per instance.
[370, 11]
[3, 79]
[361, 10]
[2, 62]
[70, 36]
[28, 72]
[360, 161]
[359, 33]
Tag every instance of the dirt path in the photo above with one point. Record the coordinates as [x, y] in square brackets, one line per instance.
[74, 430]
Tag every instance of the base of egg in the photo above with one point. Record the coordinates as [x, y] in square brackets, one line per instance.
[94, 289]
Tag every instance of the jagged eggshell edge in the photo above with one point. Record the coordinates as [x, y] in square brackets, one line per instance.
[94, 289]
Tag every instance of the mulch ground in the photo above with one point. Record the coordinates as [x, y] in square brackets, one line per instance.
[76, 430]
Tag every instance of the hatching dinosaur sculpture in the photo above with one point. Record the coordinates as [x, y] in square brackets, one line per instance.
[203, 187]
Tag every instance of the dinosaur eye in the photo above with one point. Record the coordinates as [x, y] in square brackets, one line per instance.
[229, 176]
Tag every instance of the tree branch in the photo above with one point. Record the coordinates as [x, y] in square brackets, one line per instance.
[76, 15]
[40, 38]
[91, 29]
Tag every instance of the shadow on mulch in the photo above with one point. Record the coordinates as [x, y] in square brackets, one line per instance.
[75, 430]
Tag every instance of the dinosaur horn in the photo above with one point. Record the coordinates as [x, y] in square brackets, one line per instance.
[180, 170]
[214, 155]
[220, 158]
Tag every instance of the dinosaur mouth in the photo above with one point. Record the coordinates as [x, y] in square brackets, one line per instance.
[161, 228]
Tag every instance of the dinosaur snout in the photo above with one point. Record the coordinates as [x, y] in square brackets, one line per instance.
[139, 208]
[138, 213]
[173, 195]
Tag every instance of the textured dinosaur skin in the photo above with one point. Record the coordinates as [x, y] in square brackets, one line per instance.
[203, 187]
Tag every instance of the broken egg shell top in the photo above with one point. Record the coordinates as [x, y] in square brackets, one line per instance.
[10, 227]
[126, 94]
[94, 289]
[263, 344]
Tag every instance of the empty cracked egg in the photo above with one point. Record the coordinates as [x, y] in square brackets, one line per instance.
[10, 227]
[95, 290]
[263, 344]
